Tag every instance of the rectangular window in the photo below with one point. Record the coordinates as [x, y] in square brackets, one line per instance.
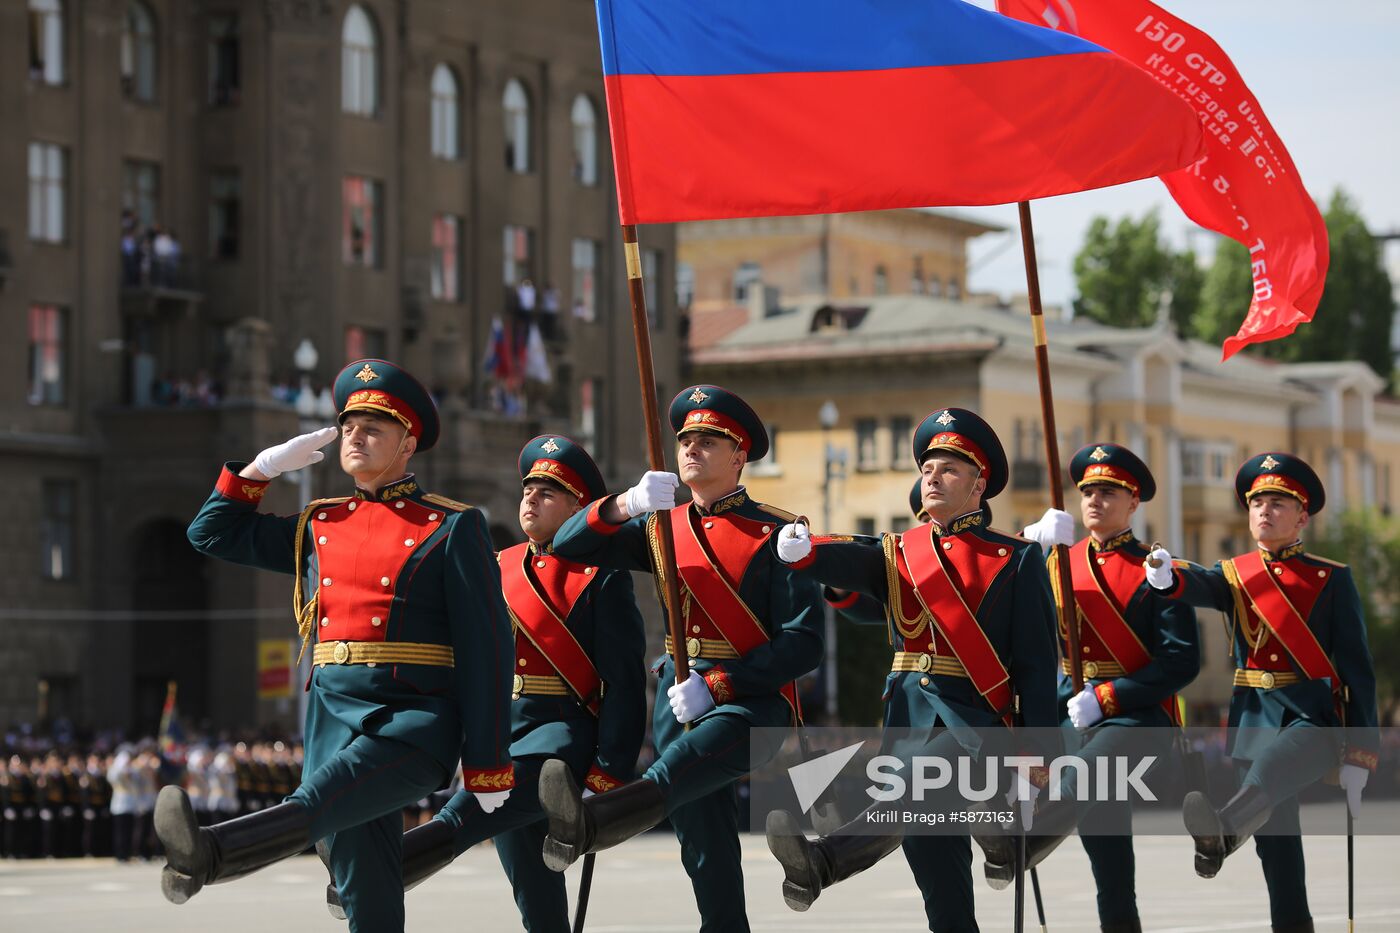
[56, 533]
[585, 282]
[225, 71]
[651, 284]
[141, 191]
[365, 343]
[865, 526]
[361, 222]
[867, 455]
[47, 190]
[447, 258]
[47, 355]
[901, 428]
[588, 412]
[46, 41]
[519, 253]
[225, 213]
[899, 524]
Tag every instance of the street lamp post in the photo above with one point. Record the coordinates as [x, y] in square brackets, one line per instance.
[834, 468]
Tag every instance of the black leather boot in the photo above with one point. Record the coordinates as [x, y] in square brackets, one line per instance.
[811, 865]
[1054, 821]
[1217, 834]
[196, 856]
[1305, 927]
[427, 850]
[1121, 926]
[578, 826]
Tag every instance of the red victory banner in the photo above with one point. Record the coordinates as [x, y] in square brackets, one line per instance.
[1245, 186]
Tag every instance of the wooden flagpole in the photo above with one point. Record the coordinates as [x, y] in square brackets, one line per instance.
[656, 456]
[1069, 616]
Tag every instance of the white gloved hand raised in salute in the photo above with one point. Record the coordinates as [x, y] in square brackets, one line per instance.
[1159, 577]
[794, 543]
[1055, 527]
[654, 492]
[301, 451]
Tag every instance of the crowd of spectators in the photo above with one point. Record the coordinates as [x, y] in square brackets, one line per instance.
[150, 255]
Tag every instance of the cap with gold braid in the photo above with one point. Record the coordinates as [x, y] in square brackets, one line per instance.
[1280, 473]
[1115, 465]
[563, 461]
[963, 432]
[716, 410]
[382, 387]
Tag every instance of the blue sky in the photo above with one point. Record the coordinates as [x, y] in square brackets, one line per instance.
[1326, 75]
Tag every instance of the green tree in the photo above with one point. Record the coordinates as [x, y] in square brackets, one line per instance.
[1353, 319]
[1369, 543]
[1124, 270]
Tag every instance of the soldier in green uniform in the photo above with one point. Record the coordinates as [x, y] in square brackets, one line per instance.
[1138, 649]
[753, 628]
[861, 608]
[1302, 671]
[579, 687]
[413, 657]
[941, 680]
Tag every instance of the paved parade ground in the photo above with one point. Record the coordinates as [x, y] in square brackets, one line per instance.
[640, 887]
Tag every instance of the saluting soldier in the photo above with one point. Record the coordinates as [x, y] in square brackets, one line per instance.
[1302, 671]
[753, 628]
[413, 656]
[1138, 650]
[579, 689]
[972, 623]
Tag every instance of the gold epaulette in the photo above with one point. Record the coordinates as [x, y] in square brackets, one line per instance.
[777, 512]
[445, 502]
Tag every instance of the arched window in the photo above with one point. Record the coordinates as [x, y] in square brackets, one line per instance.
[585, 122]
[139, 52]
[517, 108]
[46, 41]
[444, 119]
[359, 63]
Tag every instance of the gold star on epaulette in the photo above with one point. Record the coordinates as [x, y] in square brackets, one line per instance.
[1098, 454]
[1269, 463]
[698, 396]
[550, 447]
[366, 374]
[945, 419]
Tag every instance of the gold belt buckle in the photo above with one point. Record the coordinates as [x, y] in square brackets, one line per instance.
[692, 647]
[517, 687]
[1266, 680]
[1091, 669]
[925, 662]
[342, 652]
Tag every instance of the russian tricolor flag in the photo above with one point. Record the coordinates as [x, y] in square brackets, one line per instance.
[743, 108]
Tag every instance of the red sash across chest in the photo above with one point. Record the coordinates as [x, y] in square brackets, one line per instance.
[1282, 594]
[541, 591]
[950, 576]
[361, 548]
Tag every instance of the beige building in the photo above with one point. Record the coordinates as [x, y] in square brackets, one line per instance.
[887, 361]
[378, 178]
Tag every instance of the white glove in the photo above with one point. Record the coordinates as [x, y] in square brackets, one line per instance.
[301, 451]
[690, 700]
[654, 492]
[794, 543]
[1353, 779]
[1084, 708]
[1159, 577]
[490, 800]
[1055, 527]
[1026, 792]
[588, 792]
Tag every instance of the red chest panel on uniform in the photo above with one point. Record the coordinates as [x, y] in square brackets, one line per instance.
[559, 582]
[731, 542]
[1302, 583]
[361, 547]
[974, 563]
[1121, 575]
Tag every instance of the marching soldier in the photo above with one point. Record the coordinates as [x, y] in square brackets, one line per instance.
[1138, 650]
[954, 666]
[858, 607]
[412, 663]
[1302, 671]
[754, 627]
[579, 687]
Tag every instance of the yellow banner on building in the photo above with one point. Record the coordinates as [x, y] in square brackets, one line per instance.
[274, 668]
